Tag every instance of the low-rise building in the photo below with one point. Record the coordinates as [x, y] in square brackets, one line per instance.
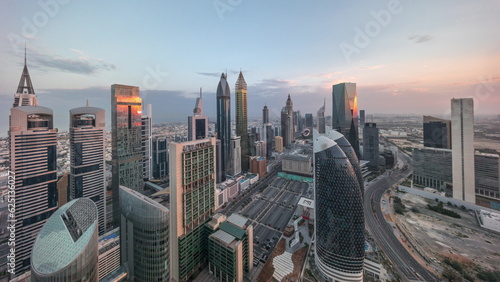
[297, 164]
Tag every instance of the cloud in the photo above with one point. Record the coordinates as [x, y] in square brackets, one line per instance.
[83, 65]
[211, 74]
[420, 38]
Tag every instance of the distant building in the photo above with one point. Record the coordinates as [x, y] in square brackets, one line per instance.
[126, 142]
[297, 121]
[66, 247]
[63, 190]
[345, 112]
[297, 164]
[258, 165]
[230, 247]
[219, 175]
[146, 133]
[437, 132]
[160, 157]
[371, 145]
[321, 119]
[144, 236]
[260, 149]
[198, 123]
[269, 138]
[487, 170]
[287, 126]
[223, 125]
[240, 89]
[265, 115]
[432, 167]
[462, 131]
[109, 253]
[361, 123]
[235, 155]
[279, 143]
[87, 131]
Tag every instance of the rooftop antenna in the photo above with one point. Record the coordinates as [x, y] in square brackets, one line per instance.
[87, 105]
[200, 92]
[24, 53]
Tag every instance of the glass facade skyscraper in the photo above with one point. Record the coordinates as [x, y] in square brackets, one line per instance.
[345, 112]
[223, 126]
[339, 219]
[197, 123]
[240, 89]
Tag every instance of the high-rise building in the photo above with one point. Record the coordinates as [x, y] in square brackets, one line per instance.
[321, 119]
[235, 155]
[66, 248]
[350, 154]
[258, 165]
[33, 145]
[197, 123]
[339, 219]
[223, 125]
[109, 253]
[371, 145]
[437, 132]
[265, 115]
[345, 112]
[219, 175]
[160, 157]
[432, 167]
[230, 247]
[269, 139]
[287, 126]
[462, 132]
[192, 203]
[309, 120]
[144, 236]
[297, 121]
[279, 143]
[25, 94]
[126, 142]
[240, 89]
[86, 133]
[487, 170]
[146, 133]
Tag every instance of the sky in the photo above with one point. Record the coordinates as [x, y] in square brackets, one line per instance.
[406, 57]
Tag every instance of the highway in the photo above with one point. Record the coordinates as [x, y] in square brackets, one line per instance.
[383, 233]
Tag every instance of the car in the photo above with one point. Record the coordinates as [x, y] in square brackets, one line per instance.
[255, 262]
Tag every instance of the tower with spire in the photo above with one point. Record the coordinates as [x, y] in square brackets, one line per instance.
[25, 94]
[198, 123]
[242, 120]
[287, 126]
[223, 126]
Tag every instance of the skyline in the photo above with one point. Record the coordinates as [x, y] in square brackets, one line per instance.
[169, 52]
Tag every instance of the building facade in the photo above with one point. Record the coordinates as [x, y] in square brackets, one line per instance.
[350, 154]
[462, 132]
[437, 132]
[278, 143]
[235, 155]
[321, 119]
[258, 165]
[487, 168]
[345, 112]
[297, 164]
[144, 236]
[126, 142]
[146, 133]
[223, 125]
[197, 123]
[371, 151]
[86, 133]
[240, 89]
[160, 157]
[339, 219]
[192, 203]
[109, 253]
[66, 248]
[432, 167]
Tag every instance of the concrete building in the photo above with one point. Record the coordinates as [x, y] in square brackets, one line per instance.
[144, 236]
[198, 123]
[235, 155]
[66, 248]
[345, 112]
[33, 160]
[462, 132]
[160, 157]
[126, 142]
[279, 143]
[297, 164]
[230, 247]
[192, 203]
[258, 165]
[109, 253]
[371, 151]
[432, 167]
[437, 132]
[146, 133]
[86, 134]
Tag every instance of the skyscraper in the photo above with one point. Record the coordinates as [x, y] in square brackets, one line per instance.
[345, 112]
[235, 155]
[146, 133]
[287, 127]
[339, 220]
[240, 89]
[265, 115]
[371, 145]
[33, 145]
[437, 132]
[25, 94]
[297, 121]
[350, 154]
[223, 126]
[144, 236]
[192, 202]
[160, 157]
[462, 132]
[87, 131]
[126, 142]
[66, 248]
[321, 119]
[197, 123]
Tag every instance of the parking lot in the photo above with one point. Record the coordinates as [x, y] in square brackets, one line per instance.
[265, 239]
[253, 210]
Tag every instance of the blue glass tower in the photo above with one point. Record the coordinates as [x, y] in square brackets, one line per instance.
[223, 126]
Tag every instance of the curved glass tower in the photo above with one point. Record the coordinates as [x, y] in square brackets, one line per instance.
[223, 126]
[66, 247]
[339, 221]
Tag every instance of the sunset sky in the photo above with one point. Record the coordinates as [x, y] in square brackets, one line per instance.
[405, 56]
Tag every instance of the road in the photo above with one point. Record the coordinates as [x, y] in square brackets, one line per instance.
[383, 233]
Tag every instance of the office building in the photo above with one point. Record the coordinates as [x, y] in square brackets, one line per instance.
[462, 132]
[309, 120]
[192, 203]
[297, 164]
[160, 157]
[223, 125]
[146, 133]
[235, 155]
[258, 165]
[33, 160]
[339, 220]
[269, 138]
[437, 132]
[487, 169]
[345, 112]
[126, 142]
[197, 123]
[230, 247]
[278, 143]
[350, 154]
[66, 248]
[265, 115]
[432, 167]
[371, 151]
[109, 253]
[144, 236]
[321, 119]
[240, 89]
[86, 133]
[287, 126]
